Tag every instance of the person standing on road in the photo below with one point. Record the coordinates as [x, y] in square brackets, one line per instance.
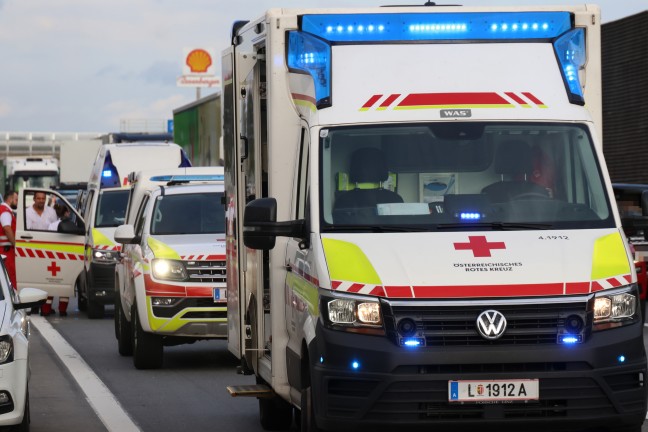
[8, 234]
[40, 216]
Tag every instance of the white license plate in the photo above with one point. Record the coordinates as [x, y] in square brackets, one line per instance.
[220, 294]
[493, 390]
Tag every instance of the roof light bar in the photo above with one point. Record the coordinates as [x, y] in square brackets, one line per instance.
[438, 26]
[312, 56]
[188, 178]
[570, 50]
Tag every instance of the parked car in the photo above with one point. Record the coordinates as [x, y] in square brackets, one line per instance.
[14, 352]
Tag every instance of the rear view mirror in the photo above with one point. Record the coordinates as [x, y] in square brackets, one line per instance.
[125, 234]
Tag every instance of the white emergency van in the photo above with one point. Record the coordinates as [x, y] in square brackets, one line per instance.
[421, 231]
[104, 207]
[170, 285]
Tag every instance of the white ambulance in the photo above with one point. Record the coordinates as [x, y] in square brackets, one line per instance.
[171, 281]
[104, 209]
[421, 231]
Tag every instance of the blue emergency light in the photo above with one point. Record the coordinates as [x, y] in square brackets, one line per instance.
[311, 55]
[470, 216]
[570, 51]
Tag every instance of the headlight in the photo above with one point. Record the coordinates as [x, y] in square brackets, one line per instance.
[6, 349]
[614, 308]
[354, 314]
[107, 256]
[169, 270]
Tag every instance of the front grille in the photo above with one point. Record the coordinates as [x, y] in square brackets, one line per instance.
[206, 271]
[102, 277]
[455, 325]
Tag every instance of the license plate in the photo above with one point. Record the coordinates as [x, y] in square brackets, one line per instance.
[220, 294]
[493, 390]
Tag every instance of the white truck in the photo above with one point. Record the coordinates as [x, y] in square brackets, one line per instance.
[420, 223]
[31, 171]
[170, 284]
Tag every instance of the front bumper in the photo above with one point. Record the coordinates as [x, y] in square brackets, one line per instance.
[13, 380]
[580, 386]
[195, 317]
[101, 283]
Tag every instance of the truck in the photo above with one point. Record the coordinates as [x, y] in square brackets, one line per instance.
[170, 285]
[420, 222]
[32, 171]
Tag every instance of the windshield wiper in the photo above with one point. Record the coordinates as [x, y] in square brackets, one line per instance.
[497, 226]
[374, 228]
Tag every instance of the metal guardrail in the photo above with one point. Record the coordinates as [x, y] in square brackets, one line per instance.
[40, 143]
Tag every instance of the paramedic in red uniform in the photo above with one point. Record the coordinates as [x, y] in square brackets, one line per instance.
[8, 234]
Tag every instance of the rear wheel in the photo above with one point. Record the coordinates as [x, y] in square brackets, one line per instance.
[147, 347]
[124, 331]
[82, 301]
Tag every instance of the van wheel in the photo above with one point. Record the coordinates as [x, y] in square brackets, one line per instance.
[147, 347]
[307, 416]
[95, 310]
[82, 302]
[124, 332]
[275, 414]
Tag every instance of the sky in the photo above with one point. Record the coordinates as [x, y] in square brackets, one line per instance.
[97, 65]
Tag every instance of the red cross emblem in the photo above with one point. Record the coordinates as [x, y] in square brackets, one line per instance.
[53, 268]
[479, 246]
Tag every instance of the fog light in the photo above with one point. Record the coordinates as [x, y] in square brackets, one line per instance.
[162, 301]
[4, 398]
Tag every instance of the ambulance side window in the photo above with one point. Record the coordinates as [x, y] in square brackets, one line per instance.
[140, 219]
[302, 180]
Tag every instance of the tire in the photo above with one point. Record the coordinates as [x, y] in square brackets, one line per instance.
[95, 310]
[275, 414]
[124, 332]
[82, 301]
[147, 347]
[307, 416]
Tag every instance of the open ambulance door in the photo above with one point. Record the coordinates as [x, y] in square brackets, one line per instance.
[45, 258]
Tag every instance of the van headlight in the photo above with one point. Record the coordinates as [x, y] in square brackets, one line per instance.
[614, 308]
[354, 314]
[166, 269]
[105, 256]
[6, 349]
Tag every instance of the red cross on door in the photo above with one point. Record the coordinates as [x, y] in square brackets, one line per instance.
[53, 268]
[480, 246]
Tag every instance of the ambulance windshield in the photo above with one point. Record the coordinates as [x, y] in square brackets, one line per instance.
[111, 208]
[200, 213]
[461, 175]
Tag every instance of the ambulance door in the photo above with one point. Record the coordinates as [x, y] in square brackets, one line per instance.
[46, 258]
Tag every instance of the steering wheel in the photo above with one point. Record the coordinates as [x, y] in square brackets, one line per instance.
[530, 196]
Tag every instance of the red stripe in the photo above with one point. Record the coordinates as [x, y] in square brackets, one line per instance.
[156, 288]
[398, 291]
[378, 291]
[39, 253]
[417, 99]
[200, 292]
[60, 255]
[488, 290]
[59, 243]
[532, 98]
[577, 288]
[355, 288]
[628, 278]
[372, 100]
[50, 255]
[516, 98]
[72, 257]
[20, 251]
[596, 286]
[389, 100]
[335, 284]
[30, 253]
[614, 282]
[304, 97]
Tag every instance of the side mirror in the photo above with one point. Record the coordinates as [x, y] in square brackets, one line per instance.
[30, 297]
[260, 226]
[125, 234]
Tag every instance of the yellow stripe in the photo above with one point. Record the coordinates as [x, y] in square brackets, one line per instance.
[304, 290]
[100, 239]
[610, 257]
[308, 105]
[51, 247]
[162, 250]
[171, 325]
[347, 262]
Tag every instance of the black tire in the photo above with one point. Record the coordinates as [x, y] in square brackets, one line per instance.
[124, 332]
[147, 347]
[95, 310]
[275, 414]
[82, 301]
[307, 416]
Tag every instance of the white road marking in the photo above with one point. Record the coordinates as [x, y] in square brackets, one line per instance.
[104, 403]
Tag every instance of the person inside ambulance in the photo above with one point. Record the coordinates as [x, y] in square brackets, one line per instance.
[514, 163]
[368, 171]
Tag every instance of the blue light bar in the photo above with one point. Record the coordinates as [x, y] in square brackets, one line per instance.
[570, 50]
[470, 216]
[412, 342]
[107, 173]
[188, 178]
[311, 55]
[438, 26]
[570, 339]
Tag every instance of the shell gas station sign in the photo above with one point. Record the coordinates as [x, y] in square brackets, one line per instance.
[199, 69]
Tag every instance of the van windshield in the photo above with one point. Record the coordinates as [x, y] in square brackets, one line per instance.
[111, 208]
[188, 214]
[461, 176]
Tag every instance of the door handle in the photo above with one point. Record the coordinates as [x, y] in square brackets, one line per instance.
[26, 237]
[244, 148]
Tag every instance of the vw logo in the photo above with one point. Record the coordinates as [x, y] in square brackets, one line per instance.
[491, 324]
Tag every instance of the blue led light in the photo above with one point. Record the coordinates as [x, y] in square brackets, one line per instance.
[321, 359]
[437, 26]
[568, 340]
[470, 216]
[621, 359]
[313, 56]
[355, 365]
[570, 51]
[107, 173]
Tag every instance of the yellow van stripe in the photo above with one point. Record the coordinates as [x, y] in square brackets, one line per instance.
[162, 250]
[55, 247]
[610, 258]
[347, 262]
[100, 239]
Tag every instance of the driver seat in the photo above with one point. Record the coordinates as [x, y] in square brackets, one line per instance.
[514, 163]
